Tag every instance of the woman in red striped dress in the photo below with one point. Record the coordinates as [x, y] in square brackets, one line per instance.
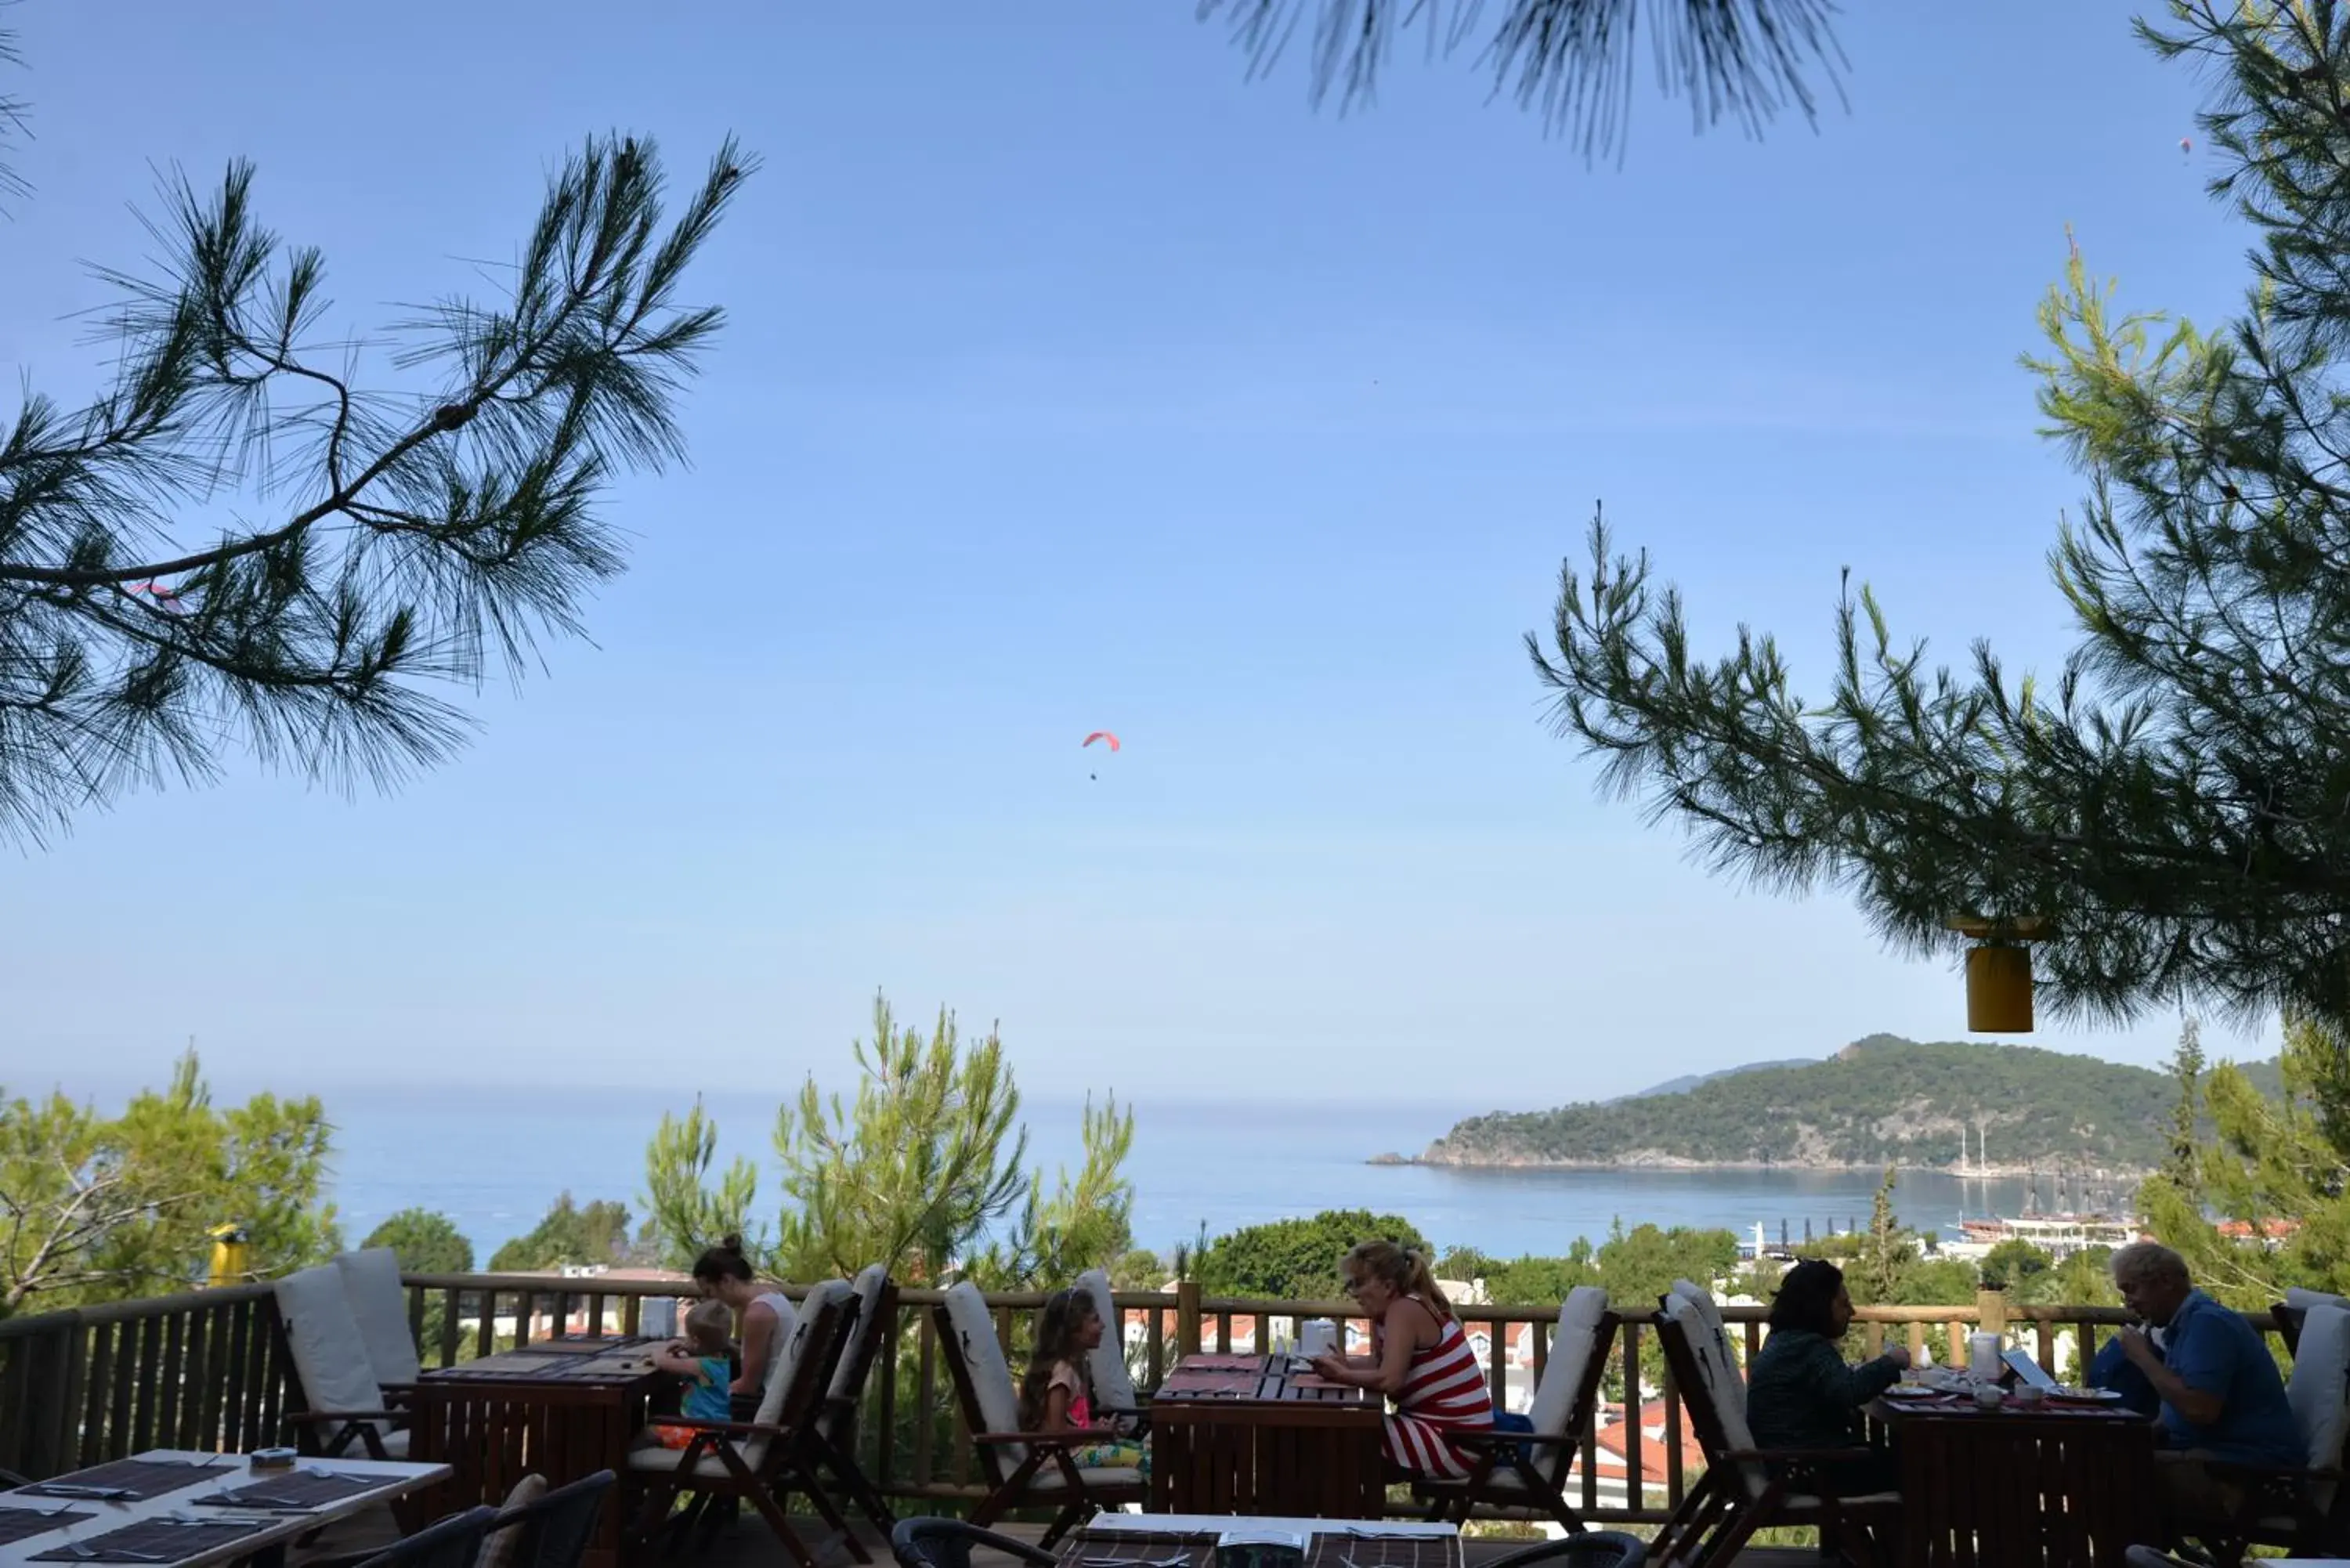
[1419, 1358]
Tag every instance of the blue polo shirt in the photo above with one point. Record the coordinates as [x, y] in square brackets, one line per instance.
[2215, 1351]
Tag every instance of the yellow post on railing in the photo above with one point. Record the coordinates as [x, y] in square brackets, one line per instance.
[1187, 1317]
[1991, 1306]
[230, 1247]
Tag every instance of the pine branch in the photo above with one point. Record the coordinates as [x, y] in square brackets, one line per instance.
[1742, 60]
[433, 523]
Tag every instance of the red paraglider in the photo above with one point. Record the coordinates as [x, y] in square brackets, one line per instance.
[1098, 735]
[2186, 146]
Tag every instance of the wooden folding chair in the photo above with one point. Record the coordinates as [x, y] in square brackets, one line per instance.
[836, 1423]
[1745, 1488]
[1528, 1470]
[763, 1461]
[1023, 1468]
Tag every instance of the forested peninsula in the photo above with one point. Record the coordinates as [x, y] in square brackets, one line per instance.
[1879, 1101]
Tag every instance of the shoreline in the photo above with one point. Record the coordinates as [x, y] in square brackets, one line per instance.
[2002, 1172]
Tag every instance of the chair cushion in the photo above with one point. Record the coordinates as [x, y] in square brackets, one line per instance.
[1710, 1353]
[1048, 1478]
[1710, 1311]
[868, 1289]
[1804, 1502]
[501, 1547]
[991, 1376]
[1571, 1350]
[380, 1306]
[330, 1355]
[395, 1442]
[2301, 1300]
[1113, 1383]
[2318, 1389]
[709, 1466]
[827, 1292]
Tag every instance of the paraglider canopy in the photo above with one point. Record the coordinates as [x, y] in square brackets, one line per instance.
[1100, 735]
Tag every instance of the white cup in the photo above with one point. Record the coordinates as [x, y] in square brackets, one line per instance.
[1316, 1336]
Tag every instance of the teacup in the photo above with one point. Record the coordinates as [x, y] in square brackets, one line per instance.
[2030, 1396]
[1988, 1395]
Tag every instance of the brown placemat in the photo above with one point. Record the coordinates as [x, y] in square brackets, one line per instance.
[1340, 1549]
[1188, 1384]
[510, 1364]
[1138, 1546]
[582, 1347]
[299, 1490]
[136, 1479]
[154, 1540]
[16, 1523]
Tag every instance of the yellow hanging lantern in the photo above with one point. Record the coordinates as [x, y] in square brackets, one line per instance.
[1999, 971]
[229, 1252]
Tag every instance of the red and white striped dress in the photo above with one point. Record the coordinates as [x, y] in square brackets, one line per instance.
[1443, 1389]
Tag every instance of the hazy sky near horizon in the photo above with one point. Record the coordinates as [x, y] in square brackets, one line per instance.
[1075, 382]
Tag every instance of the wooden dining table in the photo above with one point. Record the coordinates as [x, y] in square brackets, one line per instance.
[170, 1508]
[562, 1408]
[1260, 1435]
[2057, 1484]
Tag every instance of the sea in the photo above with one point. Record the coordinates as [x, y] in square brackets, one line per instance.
[494, 1163]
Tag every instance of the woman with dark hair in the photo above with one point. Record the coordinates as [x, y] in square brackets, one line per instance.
[1799, 1392]
[724, 1274]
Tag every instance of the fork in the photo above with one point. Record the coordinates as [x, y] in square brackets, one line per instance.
[81, 1553]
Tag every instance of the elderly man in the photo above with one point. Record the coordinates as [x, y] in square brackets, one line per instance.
[2222, 1398]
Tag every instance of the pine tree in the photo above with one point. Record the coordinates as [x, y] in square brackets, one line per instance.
[2178, 800]
[2187, 1067]
[403, 536]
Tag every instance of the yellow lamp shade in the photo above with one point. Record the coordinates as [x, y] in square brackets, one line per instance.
[1999, 990]
[231, 1248]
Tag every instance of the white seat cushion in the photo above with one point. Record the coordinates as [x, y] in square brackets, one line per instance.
[868, 1289]
[991, 1376]
[1804, 1500]
[1571, 1350]
[2317, 1391]
[395, 1442]
[329, 1355]
[707, 1467]
[1709, 1353]
[380, 1306]
[2301, 1300]
[827, 1293]
[1689, 1291]
[1113, 1384]
[1048, 1477]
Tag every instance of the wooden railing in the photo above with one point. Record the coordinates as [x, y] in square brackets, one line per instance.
[209, 1370]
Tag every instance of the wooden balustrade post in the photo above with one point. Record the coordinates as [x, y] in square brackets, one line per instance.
[1187, 1317]
[1991, 1306]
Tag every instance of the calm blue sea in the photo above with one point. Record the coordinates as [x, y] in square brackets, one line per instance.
[495, 1165]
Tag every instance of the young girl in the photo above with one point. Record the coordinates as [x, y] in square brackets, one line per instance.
[703, 1358]
[1056, 1396]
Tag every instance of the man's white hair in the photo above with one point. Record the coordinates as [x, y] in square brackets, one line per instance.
[2148, 1263]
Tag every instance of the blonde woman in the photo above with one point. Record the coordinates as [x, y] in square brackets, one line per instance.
[1419, 1359]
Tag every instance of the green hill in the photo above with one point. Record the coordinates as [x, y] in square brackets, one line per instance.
[1879, 1101]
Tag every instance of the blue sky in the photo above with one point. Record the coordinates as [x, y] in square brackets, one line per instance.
[1076, 382]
